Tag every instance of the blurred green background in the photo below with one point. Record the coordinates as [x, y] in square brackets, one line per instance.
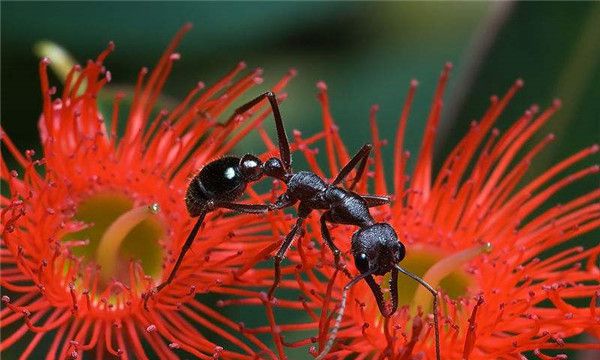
[366, 52]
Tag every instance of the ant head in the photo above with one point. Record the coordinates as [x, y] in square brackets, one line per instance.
[251, 167]
[274, 168]
[376, 248]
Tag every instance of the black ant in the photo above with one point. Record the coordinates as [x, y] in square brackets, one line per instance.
[375, 246]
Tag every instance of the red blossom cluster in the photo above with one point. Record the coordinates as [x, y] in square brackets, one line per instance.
[73, 286]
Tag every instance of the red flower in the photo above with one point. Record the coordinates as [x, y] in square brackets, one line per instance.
[98, 199]
[473, 232]
[94, 198]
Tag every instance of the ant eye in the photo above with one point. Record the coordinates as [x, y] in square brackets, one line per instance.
[362, 262]
[401, 252]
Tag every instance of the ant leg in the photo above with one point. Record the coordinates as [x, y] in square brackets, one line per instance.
[340, 315]
[244, 208]
[326, 217]
[281, 253]
[284, 146]
[376, 200]
[361, 156]
[435, 307]
[184, 249]
[302, 215]
[243, 108]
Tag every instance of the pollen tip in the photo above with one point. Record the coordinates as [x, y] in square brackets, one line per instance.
[414, 83]
[258, 80]
[175, 56]
[551, 137]
[448, 66]
[111, 45]
[154, 208]
[45, 60]
[293, 72]
[321, 85]
[594, 148]
[151, 328]
[188, 26]
[242, 65]
[374, 108]
[263, 296]
[556, 103]
[519, 83]
[200, 85]
[5, 299]
[487, 247]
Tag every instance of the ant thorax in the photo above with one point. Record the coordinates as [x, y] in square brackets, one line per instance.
[305, 186]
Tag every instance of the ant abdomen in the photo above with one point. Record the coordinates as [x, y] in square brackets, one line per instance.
[220, 180]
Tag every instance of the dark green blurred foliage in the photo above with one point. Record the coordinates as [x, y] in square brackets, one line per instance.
[366, 52]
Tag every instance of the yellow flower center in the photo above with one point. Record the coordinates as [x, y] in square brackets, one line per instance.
[118, 233]
[441, 271]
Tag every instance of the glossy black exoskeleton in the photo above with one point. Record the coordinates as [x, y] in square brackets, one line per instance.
[375, 246]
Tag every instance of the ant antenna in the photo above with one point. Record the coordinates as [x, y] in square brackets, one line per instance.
[435, 306]
[342, 308]
[340, 315]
